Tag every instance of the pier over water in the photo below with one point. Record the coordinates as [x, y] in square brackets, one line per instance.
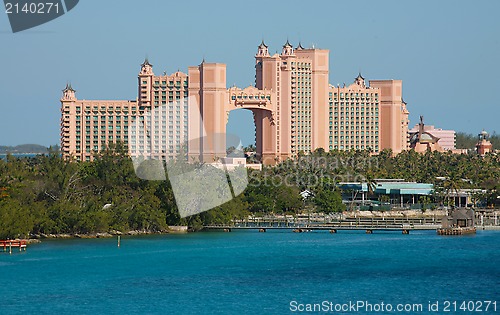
[368, 224]
[9, 244]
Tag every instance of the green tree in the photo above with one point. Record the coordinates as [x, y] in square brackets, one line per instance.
[328, 201]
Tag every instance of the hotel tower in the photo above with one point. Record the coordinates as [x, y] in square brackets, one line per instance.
[294, 108]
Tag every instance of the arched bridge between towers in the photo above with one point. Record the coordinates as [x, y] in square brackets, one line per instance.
[263, 105]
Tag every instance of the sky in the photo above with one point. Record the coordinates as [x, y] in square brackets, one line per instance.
[446, 52]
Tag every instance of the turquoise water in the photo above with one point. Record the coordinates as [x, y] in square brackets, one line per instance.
[246, 272]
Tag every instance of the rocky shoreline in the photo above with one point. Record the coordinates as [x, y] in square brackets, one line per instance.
[36, 238]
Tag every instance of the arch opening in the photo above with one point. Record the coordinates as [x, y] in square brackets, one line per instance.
[253, 127]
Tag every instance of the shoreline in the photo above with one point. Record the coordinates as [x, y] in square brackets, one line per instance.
[386, 215]
[37, 238]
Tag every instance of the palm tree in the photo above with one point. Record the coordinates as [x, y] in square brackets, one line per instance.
[452, 184]
[369, 180]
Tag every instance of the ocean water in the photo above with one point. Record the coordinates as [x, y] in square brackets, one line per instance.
[19, 155]
[246, 272]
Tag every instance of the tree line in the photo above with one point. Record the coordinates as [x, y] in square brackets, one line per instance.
[49, 195]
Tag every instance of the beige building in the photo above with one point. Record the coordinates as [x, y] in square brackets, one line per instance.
[154, 125]
[161, 128]
[299, 79]
[368, 117]
[294, 108]
[88, 126]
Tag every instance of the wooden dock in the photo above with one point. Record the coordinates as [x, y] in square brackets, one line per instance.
[332, 228]
[9, 244]
[456, 231]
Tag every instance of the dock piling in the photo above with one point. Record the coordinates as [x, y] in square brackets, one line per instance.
[22, 244]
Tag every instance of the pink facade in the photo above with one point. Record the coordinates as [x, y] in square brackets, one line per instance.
[89, 126]
[299, 79]
[160, 130]
[446, 137]
[365, 117]
[295, 110]
[393, 115]
[483, 145]
[423, 141]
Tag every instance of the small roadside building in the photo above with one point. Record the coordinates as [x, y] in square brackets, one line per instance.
[396, 192]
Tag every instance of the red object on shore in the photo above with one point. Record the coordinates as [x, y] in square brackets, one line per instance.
[13, 243]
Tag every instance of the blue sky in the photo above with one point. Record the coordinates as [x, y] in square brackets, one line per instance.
[446, 53]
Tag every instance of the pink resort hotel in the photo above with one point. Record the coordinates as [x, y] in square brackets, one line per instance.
[294, 107]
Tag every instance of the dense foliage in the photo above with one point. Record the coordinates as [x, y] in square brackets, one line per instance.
[47, 195]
